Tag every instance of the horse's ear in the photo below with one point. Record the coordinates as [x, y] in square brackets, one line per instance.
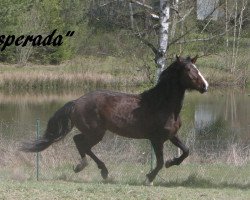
[193, 60]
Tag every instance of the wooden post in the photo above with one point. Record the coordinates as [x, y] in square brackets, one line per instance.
[37, 153]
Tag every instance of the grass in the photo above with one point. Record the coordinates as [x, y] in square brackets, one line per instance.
[108, 72]
[225, 176]
[191, 180]
[73, 190]
[229, 169]
[85, 73]
[218, 74]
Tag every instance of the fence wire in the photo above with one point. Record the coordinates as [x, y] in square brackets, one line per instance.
[128, 160]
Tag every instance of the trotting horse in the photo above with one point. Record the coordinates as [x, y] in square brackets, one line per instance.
[152, 115]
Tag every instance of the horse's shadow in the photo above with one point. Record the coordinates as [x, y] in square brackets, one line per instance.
[192, 181]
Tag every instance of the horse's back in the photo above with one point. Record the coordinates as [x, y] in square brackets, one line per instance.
[106, 110]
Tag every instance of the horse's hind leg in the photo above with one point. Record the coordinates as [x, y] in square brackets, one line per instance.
[81, 147]
[84, 143]
[100, 164]
[176, 161]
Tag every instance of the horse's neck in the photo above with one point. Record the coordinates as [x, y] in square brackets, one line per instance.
[173, 98]
[165, 95]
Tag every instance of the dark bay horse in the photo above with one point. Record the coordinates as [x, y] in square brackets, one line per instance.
[152, 115]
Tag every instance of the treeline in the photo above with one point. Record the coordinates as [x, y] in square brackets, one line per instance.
[41, 17]
[113, 28]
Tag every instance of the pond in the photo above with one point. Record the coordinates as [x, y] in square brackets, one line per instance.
[218, 115]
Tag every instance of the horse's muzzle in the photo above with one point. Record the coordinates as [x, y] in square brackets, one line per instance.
[203, 88]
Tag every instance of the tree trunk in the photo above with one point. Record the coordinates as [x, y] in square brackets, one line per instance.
[131, 15]
[235, 35]
[244, 3]
[163, 35]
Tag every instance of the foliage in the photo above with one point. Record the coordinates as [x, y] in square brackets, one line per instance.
[27, 17]
[104, 29]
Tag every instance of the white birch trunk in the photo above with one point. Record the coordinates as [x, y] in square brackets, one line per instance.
[226, 23]
[131, 15]
[244, 3]
[235, 34]
[163, 35]
[161, 53]
[227, 60]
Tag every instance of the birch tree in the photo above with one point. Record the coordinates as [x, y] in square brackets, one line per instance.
[163, 34]
[183, 26]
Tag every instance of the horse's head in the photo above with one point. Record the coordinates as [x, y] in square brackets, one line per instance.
[190, 76]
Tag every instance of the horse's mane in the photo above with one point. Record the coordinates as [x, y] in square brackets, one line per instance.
[165, 87]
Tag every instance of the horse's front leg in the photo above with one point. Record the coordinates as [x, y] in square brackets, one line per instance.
[158, 149]
[176, 161]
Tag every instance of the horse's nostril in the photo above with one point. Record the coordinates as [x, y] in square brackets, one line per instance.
[204, 87]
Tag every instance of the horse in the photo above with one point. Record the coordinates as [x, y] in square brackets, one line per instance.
[153, 114]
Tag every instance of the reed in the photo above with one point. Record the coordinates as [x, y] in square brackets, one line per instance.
[128, 163]
[109, 72]
[79, 73]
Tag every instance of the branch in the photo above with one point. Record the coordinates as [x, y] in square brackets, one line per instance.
[200, 39]
[148, 44]
[186, 15]
[142, 5]
[191, 29]
[153, 13]
[107, 3]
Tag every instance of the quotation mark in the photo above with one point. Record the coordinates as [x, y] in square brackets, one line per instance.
[70, 33]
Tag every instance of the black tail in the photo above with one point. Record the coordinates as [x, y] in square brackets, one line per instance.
[58, 126]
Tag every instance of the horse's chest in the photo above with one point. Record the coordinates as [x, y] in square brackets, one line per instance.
[171, 126]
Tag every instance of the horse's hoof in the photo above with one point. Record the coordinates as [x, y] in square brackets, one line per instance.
[148, 183]
[104, 173]
[169, 163]
[78, 168]
[81, 165]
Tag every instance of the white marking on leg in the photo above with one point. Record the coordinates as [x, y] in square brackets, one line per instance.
[148, 183]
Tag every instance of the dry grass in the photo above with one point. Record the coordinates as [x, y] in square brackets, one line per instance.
[73, 190]
[15, 81]
[78, 73]
[218, 73]
[127, 160]
[110, 72]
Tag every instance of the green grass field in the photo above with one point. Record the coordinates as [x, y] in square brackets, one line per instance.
[109, 72]
[72, 190]
[187, 181]
[225, 176]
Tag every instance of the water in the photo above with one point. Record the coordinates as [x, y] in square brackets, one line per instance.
[218, 114]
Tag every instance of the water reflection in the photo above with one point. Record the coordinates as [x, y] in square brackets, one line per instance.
[223, 115]
[217, 114]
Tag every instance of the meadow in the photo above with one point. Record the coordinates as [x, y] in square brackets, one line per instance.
[222, 174]
[209, 175]
[109, 57]
[71, 190]
[109, 72]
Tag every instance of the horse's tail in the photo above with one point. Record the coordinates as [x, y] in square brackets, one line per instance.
[58, 126]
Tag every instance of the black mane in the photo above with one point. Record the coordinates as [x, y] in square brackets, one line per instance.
[167, 87]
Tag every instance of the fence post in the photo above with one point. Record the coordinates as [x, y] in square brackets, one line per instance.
[37, 153]
[152, 158]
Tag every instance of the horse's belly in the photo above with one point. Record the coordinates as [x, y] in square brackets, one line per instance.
[130, 132]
